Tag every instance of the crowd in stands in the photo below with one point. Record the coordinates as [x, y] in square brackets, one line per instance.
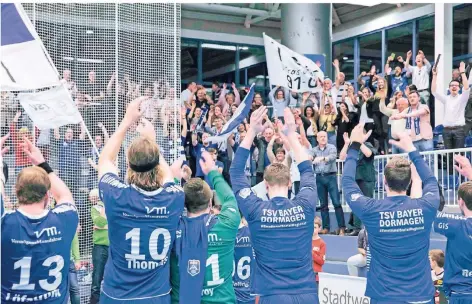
[387, 105]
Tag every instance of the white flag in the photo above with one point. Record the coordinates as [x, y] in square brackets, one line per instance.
[50, 109]
[290, 69]
[24, 61]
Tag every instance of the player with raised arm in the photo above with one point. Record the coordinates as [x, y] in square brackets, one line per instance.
[399, 226]
[458, 230]
[36, 241]
[243, 264]
[281, 228]
[204, 250]
[143, 216]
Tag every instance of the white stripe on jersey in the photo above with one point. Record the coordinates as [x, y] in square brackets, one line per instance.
[64, 208]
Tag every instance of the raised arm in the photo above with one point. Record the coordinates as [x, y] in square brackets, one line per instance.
[106, 163]
[353, 194]
[465, 81]
[270, 150]
[384, 109]
[59, 190]
[407, 61]
[237, 97]
[229, 215]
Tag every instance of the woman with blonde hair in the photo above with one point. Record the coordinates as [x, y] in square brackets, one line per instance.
[373, 108]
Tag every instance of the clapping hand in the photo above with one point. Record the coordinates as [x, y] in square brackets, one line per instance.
[358, 135]
[256, 119]
[463, 166]
[33, 152]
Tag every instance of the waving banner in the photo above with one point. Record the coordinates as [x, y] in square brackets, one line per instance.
[290, 69]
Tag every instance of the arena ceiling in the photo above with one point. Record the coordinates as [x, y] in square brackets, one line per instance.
[268, 14]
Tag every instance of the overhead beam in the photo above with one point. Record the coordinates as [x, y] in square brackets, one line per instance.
[336, 20]
[247, 22]
[274, 11]
[227, 9]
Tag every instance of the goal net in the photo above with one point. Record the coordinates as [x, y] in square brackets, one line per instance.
[108, 54]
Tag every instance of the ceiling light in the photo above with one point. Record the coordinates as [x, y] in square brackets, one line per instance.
[345, 58]
[89, 32]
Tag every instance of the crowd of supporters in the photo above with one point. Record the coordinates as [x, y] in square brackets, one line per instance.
[323, 123]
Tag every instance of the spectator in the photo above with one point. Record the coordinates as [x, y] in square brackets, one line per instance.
[70, 84]
[197, 150]
[398, 81]
[350, 98]
[280, 99]
[396, 125]
[436, 259]
[187, 93]
[417, 123]
[359, 260]
[318, 251]
[263, 159]
[339, 89]
[327, 117]
[226, 100]
[344, 122]
[454, 109]
[312, 115]
[365, 175]
[420, 74]
[373, 108]
[324, 165]
[18, 135]
[281, 156]
[215, 91]
[69, 154]
[101, 244]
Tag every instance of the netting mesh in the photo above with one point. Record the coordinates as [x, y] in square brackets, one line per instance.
[108, 54]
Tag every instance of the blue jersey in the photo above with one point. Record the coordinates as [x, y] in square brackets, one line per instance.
[399, 231]
[458, 265]
[243, 265]
[197, 153]
[277, 227]
[143, 226]
[36, 255]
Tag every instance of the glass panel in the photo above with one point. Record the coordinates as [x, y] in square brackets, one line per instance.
[400, 41]
[344, 52]
[218, 62]
[462, 31]
[189, 61]
[426, 37]
[371, 52]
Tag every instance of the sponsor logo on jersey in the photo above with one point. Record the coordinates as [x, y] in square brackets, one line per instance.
[193, 267]
[157, 210]
[51, 231]
[467, 273]
[213, 237]
[244, 193]
[244, 239]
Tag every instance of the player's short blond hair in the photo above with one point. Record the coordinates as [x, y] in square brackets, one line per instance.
[32, 185]
[277, 174]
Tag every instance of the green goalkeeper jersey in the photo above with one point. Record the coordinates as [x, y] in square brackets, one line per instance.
[218, 284]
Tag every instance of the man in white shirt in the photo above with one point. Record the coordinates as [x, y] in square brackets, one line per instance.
[454, 109]
[191, 89]
[420, 74]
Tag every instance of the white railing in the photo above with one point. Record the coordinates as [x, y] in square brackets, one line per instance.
[448, 178]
